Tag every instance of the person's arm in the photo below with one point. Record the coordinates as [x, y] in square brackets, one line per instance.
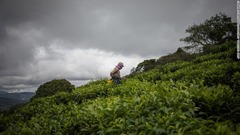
[113, 72]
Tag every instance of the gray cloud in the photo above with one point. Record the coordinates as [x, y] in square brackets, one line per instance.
[81, 39]
[113, 25]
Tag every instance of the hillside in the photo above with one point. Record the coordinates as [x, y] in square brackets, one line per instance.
[200, 96]
[6, 103]
[8, 100]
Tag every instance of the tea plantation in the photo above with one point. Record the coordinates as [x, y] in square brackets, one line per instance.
[200, 96]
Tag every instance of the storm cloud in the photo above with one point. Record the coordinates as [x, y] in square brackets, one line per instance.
[42, 40]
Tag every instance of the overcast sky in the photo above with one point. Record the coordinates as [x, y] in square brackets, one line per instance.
[78, 40]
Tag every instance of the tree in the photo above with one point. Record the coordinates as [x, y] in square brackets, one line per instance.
[145, 65]
[52, 87]
[216, 30]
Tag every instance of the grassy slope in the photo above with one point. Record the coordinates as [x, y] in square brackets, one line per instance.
[197, 97]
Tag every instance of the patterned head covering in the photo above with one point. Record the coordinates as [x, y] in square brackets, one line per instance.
[120, 65]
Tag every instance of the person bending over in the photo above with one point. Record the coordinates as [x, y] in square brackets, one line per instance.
[115, 74]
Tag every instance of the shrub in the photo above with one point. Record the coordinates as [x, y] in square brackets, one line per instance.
[236, 81]
[53, 87]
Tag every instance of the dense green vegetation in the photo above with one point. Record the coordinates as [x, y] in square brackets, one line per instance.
[183, 97]
[147, 65]
[208, 35]
[53, 87]
[177, 94]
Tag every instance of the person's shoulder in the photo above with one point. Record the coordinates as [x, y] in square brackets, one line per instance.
[115, 69]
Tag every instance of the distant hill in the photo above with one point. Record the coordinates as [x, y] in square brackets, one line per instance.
[10, 99]
[6, 103]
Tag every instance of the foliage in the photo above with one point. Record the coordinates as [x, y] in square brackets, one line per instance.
[218, 29]
[235, 80]
[52, 87]
[183, 97]
[179, 55]
[147, 65]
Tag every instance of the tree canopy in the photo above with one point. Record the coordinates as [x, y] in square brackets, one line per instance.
[216, 30]
[52, 87]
